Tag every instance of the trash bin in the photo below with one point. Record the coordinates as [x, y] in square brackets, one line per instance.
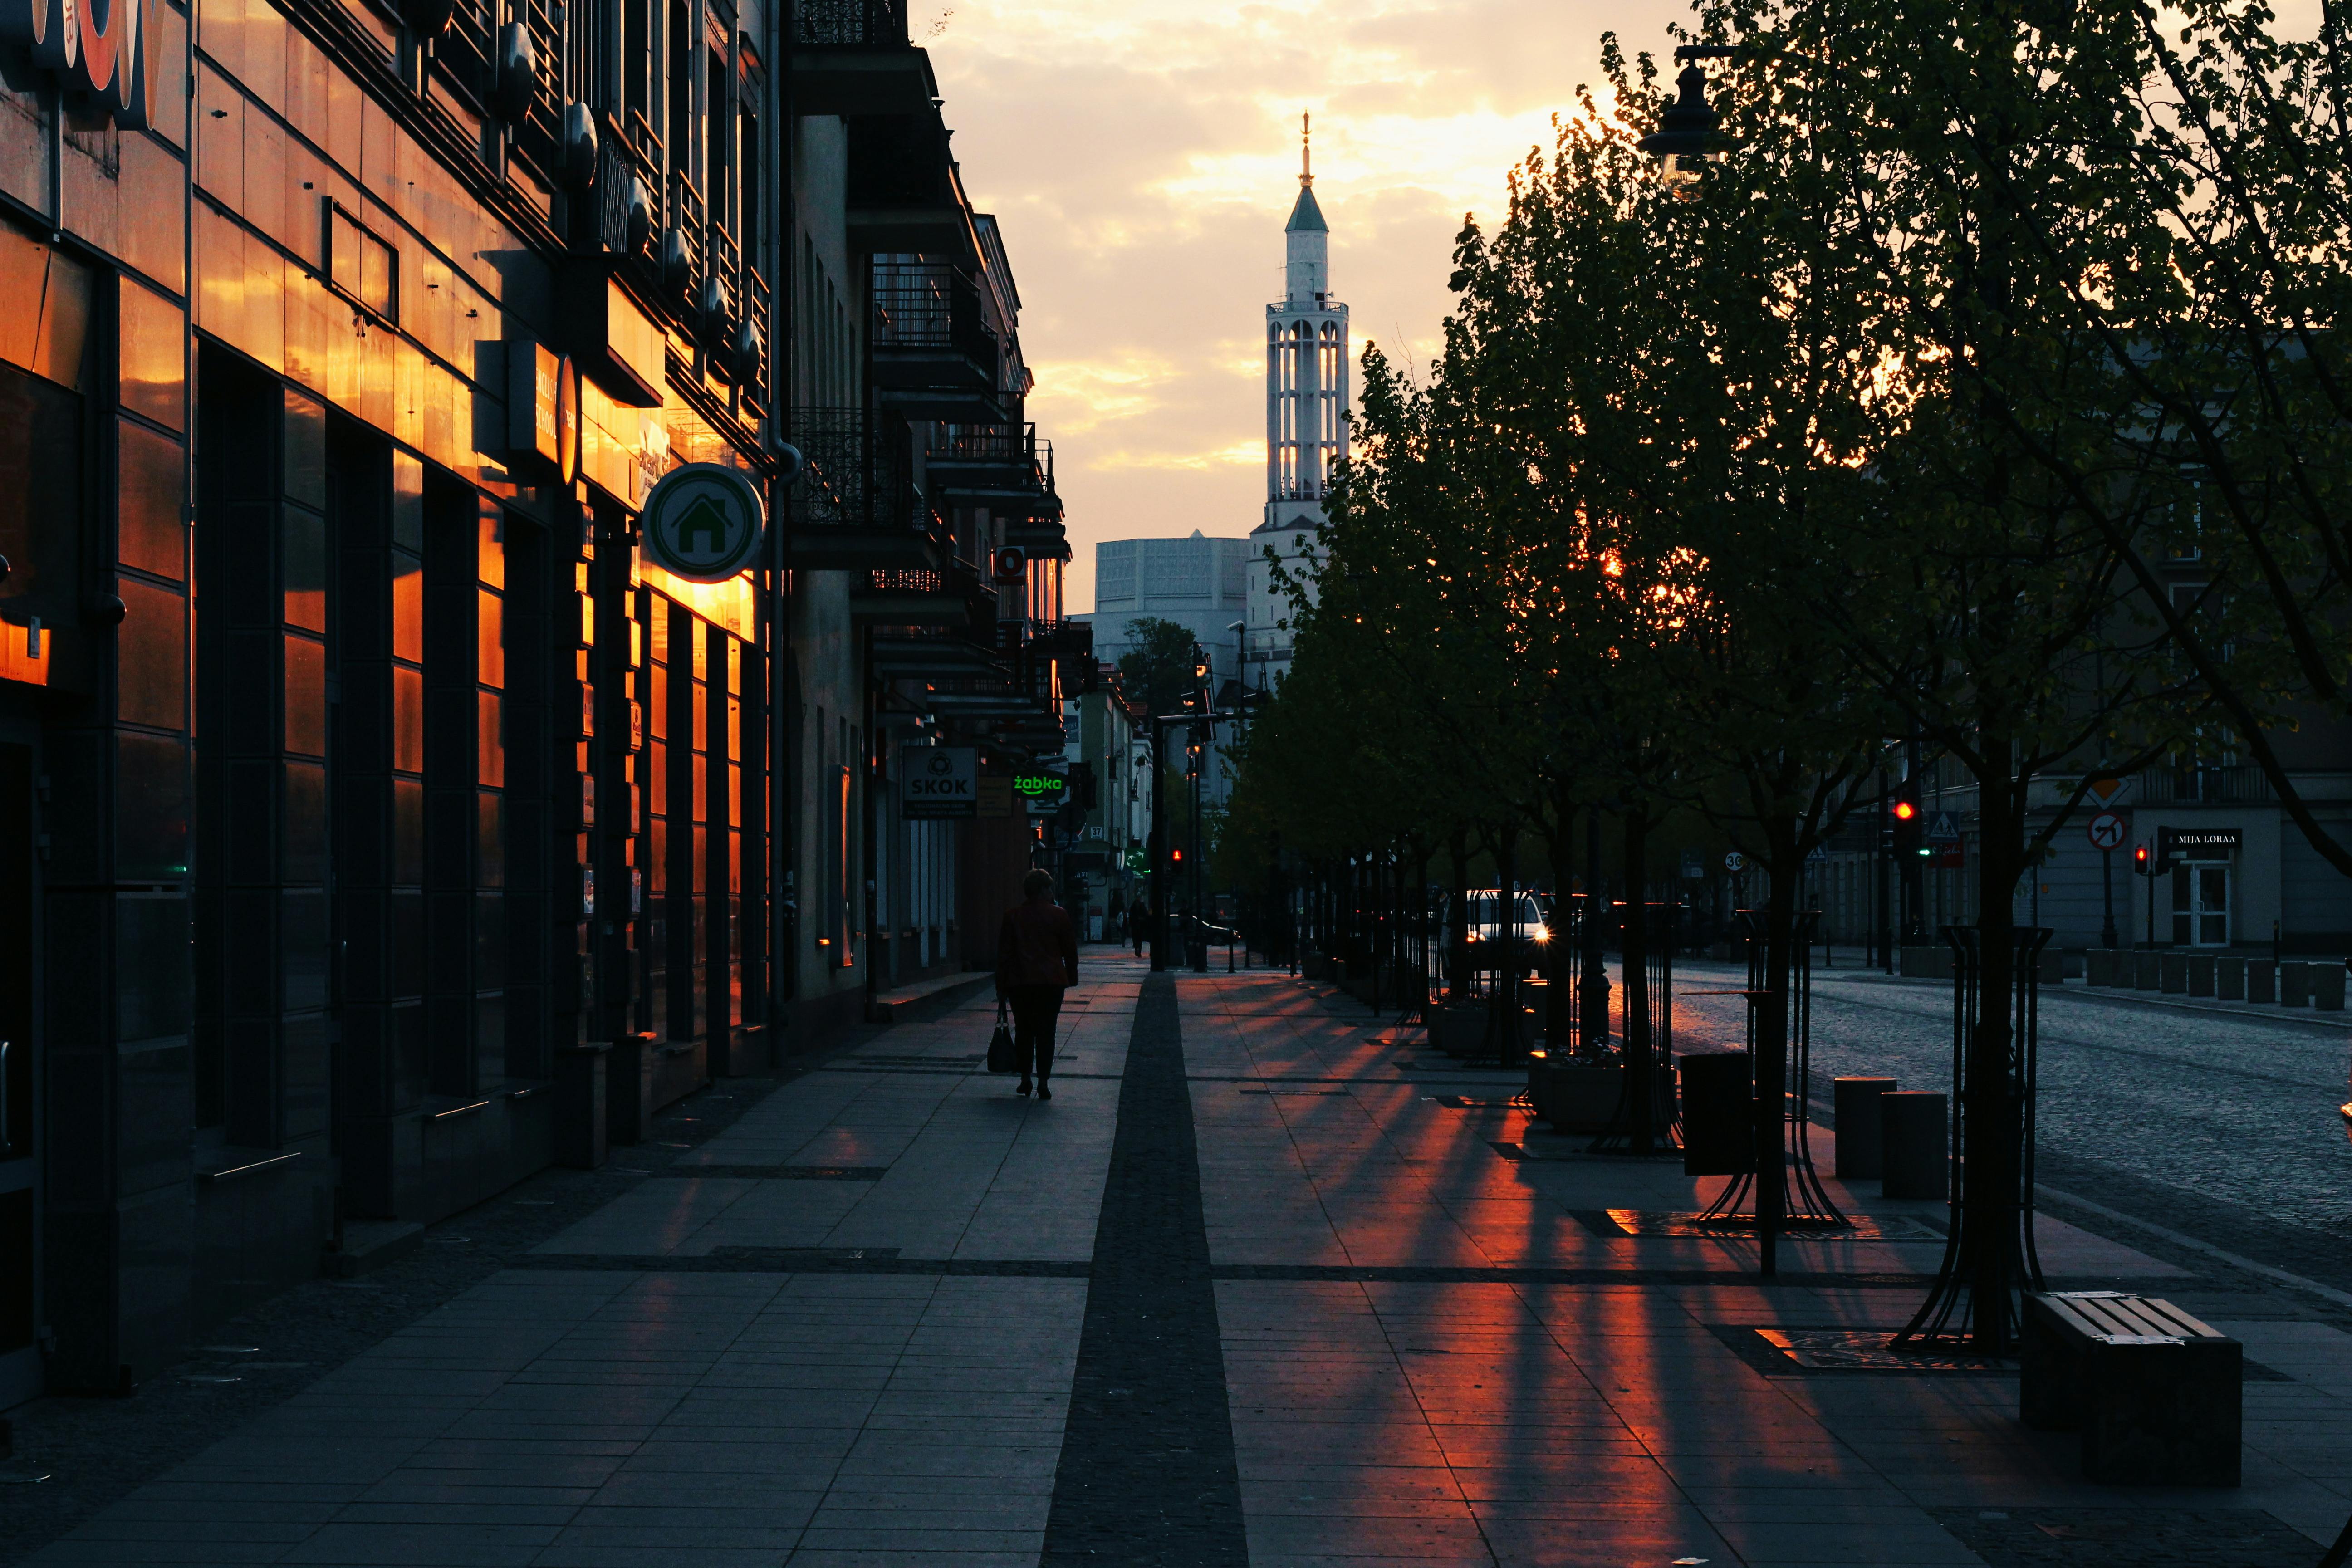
[1854, 1102]
[1914, 1144]
[1718, 1114]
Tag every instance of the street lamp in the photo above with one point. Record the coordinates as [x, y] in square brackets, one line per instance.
[1685, 137]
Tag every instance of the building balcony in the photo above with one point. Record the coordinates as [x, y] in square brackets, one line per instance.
[856, 506]
[955, 660]
[904, 195]
[853, 57]
[998, 465]
[2238, 783]
[951, 597]
[934, 355]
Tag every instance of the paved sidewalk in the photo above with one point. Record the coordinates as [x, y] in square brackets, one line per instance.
[1353, 1309]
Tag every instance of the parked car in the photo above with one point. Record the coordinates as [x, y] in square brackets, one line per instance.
[1490, 925]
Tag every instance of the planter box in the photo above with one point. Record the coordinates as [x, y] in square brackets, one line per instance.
[1576, 1096]
[2101, 965]
[1926, 963]
[2230, 979]
[2145, 967]
[2294, 984]
[2172, 972]
[1456, 1030]
[2327, 987]
[2261, 980]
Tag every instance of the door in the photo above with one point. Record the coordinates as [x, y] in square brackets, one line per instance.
[2201, 905]
[20, 1365]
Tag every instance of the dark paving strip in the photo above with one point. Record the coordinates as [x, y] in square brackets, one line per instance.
[956, 1072]
[1148, 1478]
[781, 1172]
[803, 1260]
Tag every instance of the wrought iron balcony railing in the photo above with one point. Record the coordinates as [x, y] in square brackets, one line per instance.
[867, 24]
[933, 306]
[859, 472]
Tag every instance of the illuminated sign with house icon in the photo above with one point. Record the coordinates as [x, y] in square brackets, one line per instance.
[703, 523]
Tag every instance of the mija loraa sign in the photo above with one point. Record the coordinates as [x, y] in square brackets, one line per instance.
[703, 523]
[96, 50]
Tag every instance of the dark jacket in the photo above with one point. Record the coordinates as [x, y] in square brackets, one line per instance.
[1036, 945]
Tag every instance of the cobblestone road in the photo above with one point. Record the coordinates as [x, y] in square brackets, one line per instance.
[2225, 1127]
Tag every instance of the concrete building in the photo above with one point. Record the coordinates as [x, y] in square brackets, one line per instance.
[1109, 749]
[379, 820]
[1306, 410]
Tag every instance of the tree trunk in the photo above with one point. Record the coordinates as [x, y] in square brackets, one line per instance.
[1593, 988]
[1633, 986]
[1783, 868]
[1457, 926]
[1993, 1110]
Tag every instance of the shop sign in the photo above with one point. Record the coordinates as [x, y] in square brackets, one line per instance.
[936, 781]
[1042, 792]
[98, 50]
[703, 521]
[543, 408]
[2198, 842]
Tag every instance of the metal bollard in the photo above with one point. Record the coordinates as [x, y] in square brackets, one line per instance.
[1861, 1148]
[1914, 1146]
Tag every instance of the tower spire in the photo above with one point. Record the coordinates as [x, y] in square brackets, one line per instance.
[1306, 152]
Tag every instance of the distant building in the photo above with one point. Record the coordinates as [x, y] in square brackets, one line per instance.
[1306, 423]
[1200, 583]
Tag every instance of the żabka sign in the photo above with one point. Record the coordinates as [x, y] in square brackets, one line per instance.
[97, 49]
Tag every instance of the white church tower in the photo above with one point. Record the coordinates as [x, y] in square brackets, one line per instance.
[1305, 419]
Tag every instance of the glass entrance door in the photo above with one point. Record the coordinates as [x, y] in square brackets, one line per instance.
[20, 1366]
[2201, 905]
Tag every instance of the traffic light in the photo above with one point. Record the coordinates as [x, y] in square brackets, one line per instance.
[1176, 856]
[1904, 811]
[1905, 829]
[2148, 862]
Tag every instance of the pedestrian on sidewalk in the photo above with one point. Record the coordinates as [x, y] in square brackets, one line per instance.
[1138, 921]
[1037, 961]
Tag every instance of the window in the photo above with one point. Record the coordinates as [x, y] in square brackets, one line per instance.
[361, 266]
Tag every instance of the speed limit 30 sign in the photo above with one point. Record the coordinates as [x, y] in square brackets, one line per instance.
[2109, 830]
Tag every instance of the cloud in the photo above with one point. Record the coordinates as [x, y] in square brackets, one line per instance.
[1142, 157]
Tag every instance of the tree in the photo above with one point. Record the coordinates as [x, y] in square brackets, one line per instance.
[1158, 668]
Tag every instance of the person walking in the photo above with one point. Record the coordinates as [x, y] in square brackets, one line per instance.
[1138, 922]
[1037, 961]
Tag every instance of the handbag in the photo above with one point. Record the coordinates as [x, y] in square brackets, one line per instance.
[999, 1044]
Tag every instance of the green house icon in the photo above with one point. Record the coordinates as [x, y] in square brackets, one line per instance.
[704, 520]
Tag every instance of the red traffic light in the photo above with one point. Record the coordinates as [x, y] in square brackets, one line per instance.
[2139, 859]
[1904, 811]
[1176, 855]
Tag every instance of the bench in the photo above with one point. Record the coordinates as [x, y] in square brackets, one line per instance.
[2155, 1392]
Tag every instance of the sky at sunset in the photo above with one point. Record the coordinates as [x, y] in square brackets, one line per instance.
[1142, 156]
